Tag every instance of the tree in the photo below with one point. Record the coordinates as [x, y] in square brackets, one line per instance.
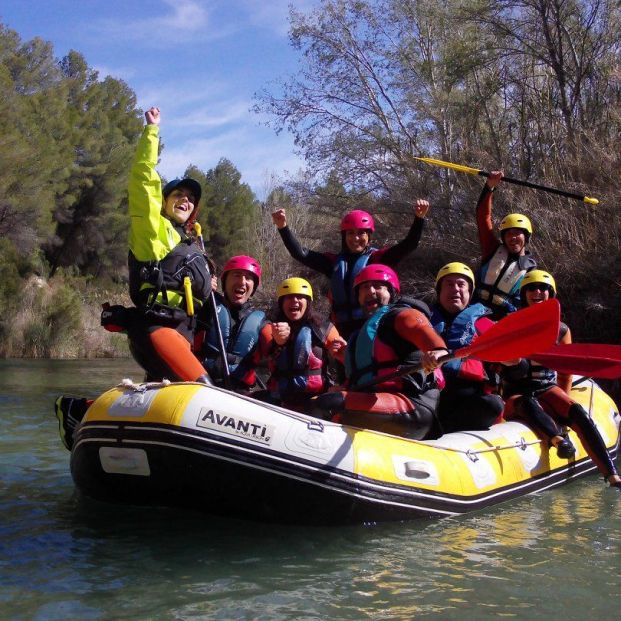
[31, 160]
[531, 86]
[229, 209]
[103, 124]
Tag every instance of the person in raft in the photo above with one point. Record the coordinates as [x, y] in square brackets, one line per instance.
[467, 400]
[540, 396]
[239, 322]
[357, 228]
[296, 346]
[168, 271]
[504, 261]
[396, 331]
[168, 276]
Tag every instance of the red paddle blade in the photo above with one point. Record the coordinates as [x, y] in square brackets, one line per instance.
[518, 335]
[589, 359]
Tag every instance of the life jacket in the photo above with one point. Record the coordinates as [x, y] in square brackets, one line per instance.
[498, 280]
[240, 341]
[536, 377]
[299, 367]
[542, 377]
[345, 306]
[459, 333]
[377, 348]
[161, 281]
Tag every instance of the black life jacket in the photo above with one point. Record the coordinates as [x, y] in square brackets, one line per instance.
[162, 281]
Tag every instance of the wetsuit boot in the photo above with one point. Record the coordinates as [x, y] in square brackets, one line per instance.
[69, 411]
[592, 440]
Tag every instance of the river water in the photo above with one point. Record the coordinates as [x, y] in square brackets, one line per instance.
[556, 555]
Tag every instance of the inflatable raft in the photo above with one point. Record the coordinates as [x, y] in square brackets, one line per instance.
[210, 449]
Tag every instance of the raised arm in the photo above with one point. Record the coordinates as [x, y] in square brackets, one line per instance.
[394, 254]
[145, 194]
[487, 238]
[310, 258]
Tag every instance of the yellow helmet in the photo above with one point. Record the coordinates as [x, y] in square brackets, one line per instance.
[539, 277]
[455, 268]
[516, 221]
[291, 286]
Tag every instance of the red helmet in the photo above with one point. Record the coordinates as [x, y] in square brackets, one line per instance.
[357, 219]
[377, 271]
[243, 262]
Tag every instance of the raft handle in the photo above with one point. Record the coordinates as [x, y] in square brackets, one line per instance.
[315, 425]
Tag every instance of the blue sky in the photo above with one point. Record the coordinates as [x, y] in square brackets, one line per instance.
[200, 61]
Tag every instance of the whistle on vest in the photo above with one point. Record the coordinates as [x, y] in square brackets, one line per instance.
[189, 300]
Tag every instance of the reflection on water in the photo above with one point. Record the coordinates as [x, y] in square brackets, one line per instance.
[552, 555]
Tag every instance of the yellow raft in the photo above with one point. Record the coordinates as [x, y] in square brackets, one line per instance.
[207, 448]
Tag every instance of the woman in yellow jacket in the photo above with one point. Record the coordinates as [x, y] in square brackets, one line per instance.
[168, 272]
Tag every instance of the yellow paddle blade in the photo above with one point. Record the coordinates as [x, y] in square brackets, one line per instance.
[590, 200]
[198, 229]
[459, 167]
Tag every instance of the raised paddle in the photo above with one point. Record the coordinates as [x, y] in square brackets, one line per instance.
[476, 171]
[518, 335]
[589, 359]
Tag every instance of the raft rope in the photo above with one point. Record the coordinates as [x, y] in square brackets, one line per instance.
[129, 384]
[317, 425]
[472, 453]
[313, 424]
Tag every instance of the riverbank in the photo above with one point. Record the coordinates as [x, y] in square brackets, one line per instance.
[60, 318]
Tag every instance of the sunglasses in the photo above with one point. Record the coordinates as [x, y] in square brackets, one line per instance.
[537, 286]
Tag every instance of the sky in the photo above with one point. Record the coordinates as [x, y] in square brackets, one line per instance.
[199, 61]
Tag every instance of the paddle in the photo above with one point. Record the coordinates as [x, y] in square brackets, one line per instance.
[212, 298]
[528, 184]
[589, 359]
[518, 335]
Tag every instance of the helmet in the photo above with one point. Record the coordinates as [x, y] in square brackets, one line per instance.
[539, 277]
[357, 219]
[455, 268]
[189, 183]
[291, 286]
[377, 271]
[194, 187]
[516, 221]
[243, 262]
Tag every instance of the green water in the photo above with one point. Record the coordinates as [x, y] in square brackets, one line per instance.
[556, 555]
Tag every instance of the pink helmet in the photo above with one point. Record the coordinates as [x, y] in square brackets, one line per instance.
[243, 262]
[357, 219]
[377, 271]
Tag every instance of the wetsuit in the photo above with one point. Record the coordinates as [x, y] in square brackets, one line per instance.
[467, 400]
[341, 268]
[499, 277]
[534, 393]
[160, 256]
[395, 334]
